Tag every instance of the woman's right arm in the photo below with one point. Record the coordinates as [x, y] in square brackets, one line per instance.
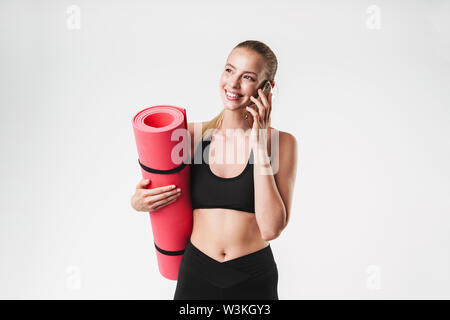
[148, 200]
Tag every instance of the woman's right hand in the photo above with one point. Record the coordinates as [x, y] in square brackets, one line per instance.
[148, 200]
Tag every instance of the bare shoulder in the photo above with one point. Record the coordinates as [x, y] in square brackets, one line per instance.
[287, 141]
[192, 125]
[286, 162]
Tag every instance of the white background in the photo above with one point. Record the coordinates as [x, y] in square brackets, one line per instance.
[362, 85]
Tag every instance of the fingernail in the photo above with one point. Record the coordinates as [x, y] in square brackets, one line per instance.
[178, 189]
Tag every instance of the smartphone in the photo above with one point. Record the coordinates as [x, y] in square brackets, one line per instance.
[266, 87]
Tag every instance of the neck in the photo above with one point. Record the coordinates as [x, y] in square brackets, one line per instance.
[235, 119]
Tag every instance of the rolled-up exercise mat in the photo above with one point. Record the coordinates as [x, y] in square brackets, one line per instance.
[163, 148]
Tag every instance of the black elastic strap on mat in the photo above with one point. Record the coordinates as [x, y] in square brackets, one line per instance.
[174, 170]
[169, 253]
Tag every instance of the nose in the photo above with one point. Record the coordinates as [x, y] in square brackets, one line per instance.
[233, 82]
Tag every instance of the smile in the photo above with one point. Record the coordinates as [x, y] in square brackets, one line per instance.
[232, 97]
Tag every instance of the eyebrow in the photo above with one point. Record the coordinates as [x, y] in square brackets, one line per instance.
[228, 64]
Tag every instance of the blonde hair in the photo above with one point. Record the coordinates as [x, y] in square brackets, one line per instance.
[270, 70]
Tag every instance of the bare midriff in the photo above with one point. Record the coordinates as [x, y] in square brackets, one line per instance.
[226, 234]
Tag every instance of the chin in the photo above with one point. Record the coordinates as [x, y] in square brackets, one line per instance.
[233, 105]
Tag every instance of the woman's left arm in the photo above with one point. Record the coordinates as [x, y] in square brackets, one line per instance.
[274, 190]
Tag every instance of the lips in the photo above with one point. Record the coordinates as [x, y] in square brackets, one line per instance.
[236, 93]
[232, 97]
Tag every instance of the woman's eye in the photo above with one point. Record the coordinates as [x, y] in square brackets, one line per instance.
[246, 77]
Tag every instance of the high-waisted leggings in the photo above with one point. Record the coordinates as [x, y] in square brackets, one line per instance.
[253, 276]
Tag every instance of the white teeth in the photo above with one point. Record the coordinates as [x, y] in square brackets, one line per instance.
[232, 95]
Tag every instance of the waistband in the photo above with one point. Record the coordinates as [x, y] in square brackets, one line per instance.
[228, 273]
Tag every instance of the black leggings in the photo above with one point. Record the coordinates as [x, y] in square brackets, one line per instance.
[253, 276]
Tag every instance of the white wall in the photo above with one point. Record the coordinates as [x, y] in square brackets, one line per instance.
[363, 85]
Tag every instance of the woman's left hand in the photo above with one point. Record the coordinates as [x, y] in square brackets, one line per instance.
[258, 136]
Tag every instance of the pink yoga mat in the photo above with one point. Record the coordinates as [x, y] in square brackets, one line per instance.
[165, 161]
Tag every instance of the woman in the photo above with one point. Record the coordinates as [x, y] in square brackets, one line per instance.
[238, 207]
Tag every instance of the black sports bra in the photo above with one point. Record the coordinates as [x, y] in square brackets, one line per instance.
[211, 191]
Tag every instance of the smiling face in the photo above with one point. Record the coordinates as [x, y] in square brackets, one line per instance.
[241, 77]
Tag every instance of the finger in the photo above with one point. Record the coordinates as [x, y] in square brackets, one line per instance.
[267, 105]
[164, 201]
[164, 195]
[264, 100]
[155, 191]
[254, 107]
[269, 108]
[143, 183]
[261, 108]
[270, 104]
[259, 105]
[165, 204]
[255, 117]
